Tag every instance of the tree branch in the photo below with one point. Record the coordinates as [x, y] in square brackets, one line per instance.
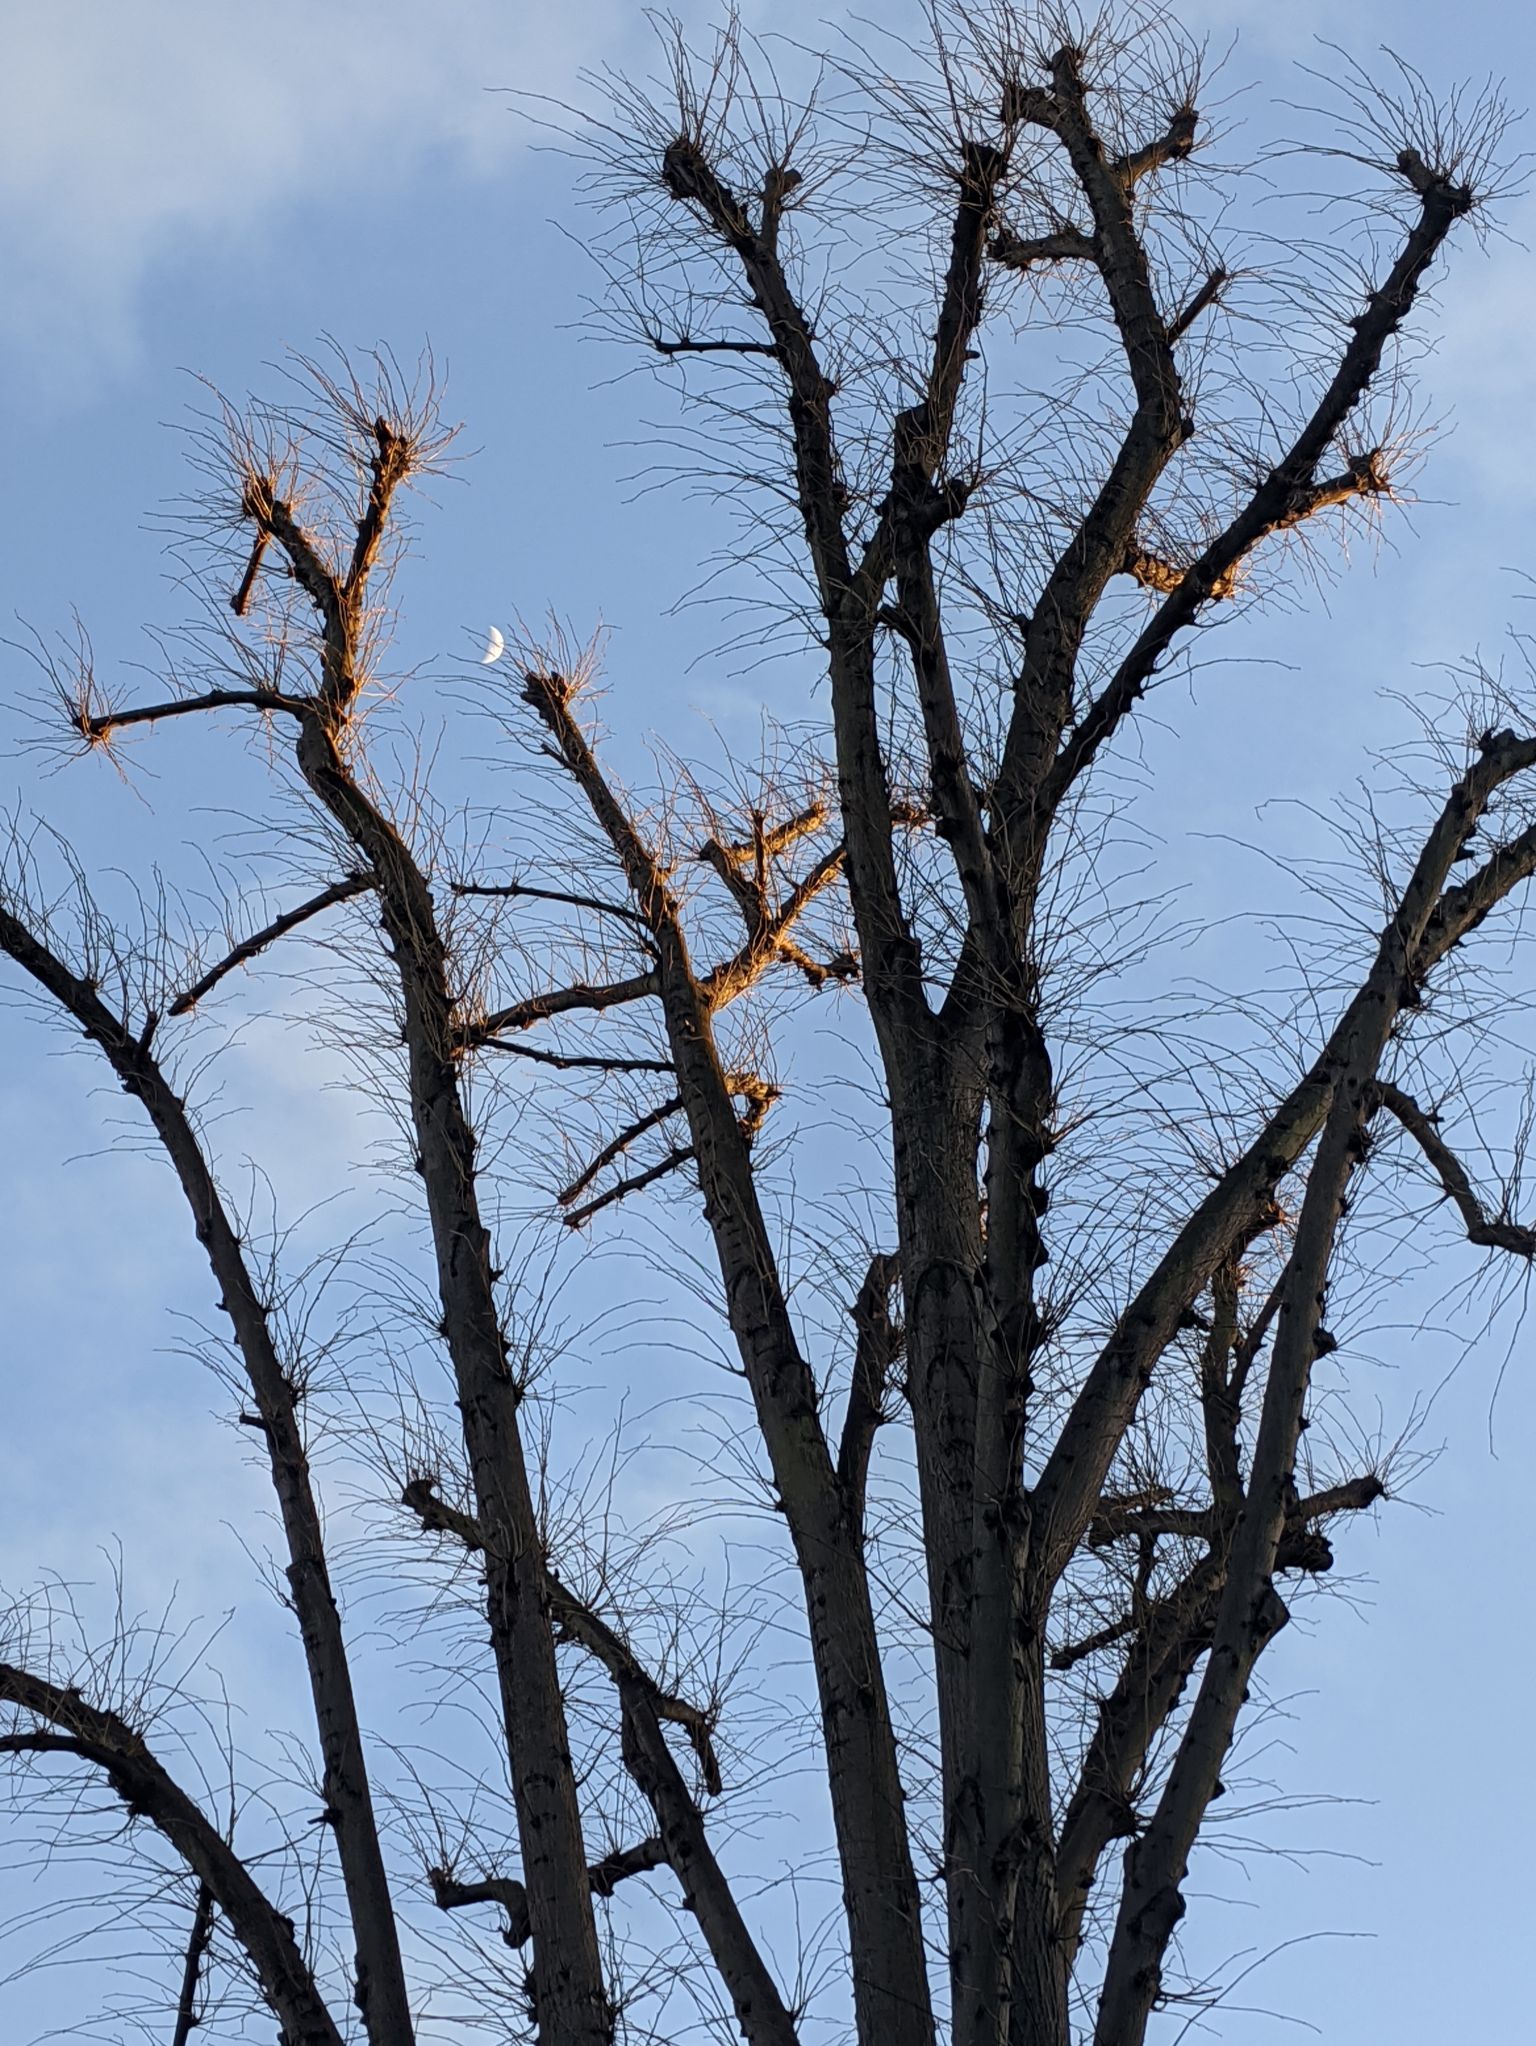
[1209, 292]
[274, 516]
[1491, 1232]
[877, 1348]
[1169, 1641]
[1171, 147]
[248, 948]
[1462, 908]
[770, 931]
[745, 1975]
[197, 1948]
[562, 1001]
[603, 1878]
[239, 603]
[1251, 1611]
[1279, 499]
[390, 465]
[112, 1746]
[685, 345]
[890, 1981]
[381, 1989]
[617, 1148]
[581, 1624]
[521, 889]
[1170, 1638]
[99, 727]
[643, 1706]
[1425, 925]
[1102, 543]
[1064, 244]
[574, 2004]
[577, 1062]
[635, 1183]
[1364, 476]
[892, 969]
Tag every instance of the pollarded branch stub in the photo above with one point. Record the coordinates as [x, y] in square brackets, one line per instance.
[688, 175]
[392, 461]
[1209, 294]
[256, 499]
[258, 495]
[275, 517]
[1365, 476]
[547, 690]
[1156, 572]
[779, 182]
[1173, 146]
[1064, 243]
[603, 1877]
[1433, 184]
[758, 1094]
[1026, 105]
[436, 1515]
[684, 171]
[1306, 1550]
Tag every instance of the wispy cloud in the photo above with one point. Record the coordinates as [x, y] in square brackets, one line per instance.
[130, 134]
[126, 132]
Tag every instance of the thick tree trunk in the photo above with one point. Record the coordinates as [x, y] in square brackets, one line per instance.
[572, 2001]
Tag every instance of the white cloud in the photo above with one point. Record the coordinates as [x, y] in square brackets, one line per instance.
[125, 129]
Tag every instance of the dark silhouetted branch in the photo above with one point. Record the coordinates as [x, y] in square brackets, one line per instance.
[603, 1878]
[685, 345]
[581, 996]
[616, 1149]
[99, 727]
[349, 1802]
[877, 1348]
[1491, 1232]
[521, 890]
[635, 1183]
[197, 1947]
[248, 948]
[101, 1738]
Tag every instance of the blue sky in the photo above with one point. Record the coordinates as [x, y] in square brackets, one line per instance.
[194, 188]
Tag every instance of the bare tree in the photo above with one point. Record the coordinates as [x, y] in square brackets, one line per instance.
[1009, 433]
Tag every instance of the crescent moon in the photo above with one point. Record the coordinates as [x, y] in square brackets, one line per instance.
[495, 647]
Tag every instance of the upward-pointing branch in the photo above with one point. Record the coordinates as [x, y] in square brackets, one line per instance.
[849, 601]
[1070, 1485]
[1290, 490]
[684, 1841]
[573, 2003]
[889, 1972]
[192, 1968]
[381, 1988]
[249, 948]
[1250, 1610]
